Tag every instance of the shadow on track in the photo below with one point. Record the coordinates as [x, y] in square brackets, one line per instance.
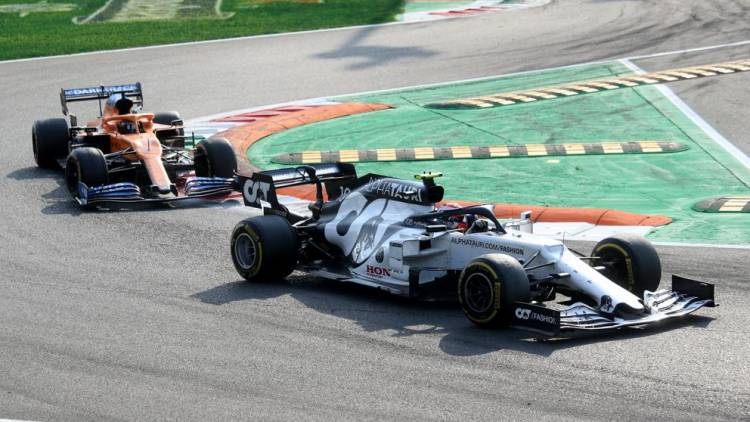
[374, 310]
[58, 200]
[369, 56]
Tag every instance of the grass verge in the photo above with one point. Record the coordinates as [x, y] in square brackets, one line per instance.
[27, 30]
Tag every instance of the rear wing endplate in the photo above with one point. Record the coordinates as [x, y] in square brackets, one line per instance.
[132, 91]
[259, 189]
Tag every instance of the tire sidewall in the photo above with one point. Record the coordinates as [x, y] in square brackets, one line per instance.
[217, 158]
[640, 262]
[276, 247]
[90, 168]
[509, 284]
[482, 268]
[247, 228]
[166, 118]
[49, 141]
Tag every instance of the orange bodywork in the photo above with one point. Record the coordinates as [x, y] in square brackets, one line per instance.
[144, 144]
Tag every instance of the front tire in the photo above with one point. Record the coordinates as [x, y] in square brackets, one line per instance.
[630, 261]
[264, 248]
[88, 166]
[49, 140]
[214, 157]
[489, 287]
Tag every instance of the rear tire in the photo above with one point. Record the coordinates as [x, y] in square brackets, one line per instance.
[214, 157]
[264, 248]
[166, 118]
[88, 166]
[489, 287]
[49, 140]
[630, 261]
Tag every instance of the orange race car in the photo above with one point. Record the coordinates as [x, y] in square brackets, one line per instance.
[127, 156]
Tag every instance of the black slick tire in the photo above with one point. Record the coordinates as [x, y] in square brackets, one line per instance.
[86, 165]
[630, 261]
[166, 118]
[49, 141]
[489, 287]
[264, 248]
[214, 157]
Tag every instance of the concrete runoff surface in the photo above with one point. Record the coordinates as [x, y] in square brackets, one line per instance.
[140, 315]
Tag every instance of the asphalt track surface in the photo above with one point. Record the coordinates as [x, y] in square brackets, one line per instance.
[140, 315]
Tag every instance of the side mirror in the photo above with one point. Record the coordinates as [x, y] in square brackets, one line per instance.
[177, 122]
[523, 224]
[526, 225]
[73, 120]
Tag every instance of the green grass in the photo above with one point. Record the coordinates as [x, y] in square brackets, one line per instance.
[51, 33]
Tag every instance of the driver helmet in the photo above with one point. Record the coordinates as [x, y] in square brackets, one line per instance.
[456, 221]
[118, 104]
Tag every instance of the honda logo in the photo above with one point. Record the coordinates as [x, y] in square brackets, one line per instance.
[378, 271]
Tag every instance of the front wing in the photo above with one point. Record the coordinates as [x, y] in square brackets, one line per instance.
[686, 297]
[129, 193]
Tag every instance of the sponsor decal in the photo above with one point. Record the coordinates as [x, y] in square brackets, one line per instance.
[522, 313]
[378, 271]
[255, 191]
[366, 241]
[474, 243]
[344, 191]
[394, 190]
[76, 92]
[529, 315]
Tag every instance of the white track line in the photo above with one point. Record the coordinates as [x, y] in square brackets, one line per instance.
[702, 245]
[309, 101]
[689, 50]
[698, 120]
[438, 84]
[93, 15]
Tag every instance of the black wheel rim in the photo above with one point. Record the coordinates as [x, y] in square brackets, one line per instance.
[479, 293]
[245, 251]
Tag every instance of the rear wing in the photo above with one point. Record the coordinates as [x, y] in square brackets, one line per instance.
[259, 190]
[132, 91]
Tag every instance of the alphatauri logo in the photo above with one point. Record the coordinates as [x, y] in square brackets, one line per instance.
[522, 313]
[255, 192]
[528, 314]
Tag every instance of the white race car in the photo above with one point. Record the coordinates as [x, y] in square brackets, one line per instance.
[388, 233]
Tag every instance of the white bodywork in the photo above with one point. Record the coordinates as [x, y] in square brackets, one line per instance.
[385, 259]
[387, 233]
